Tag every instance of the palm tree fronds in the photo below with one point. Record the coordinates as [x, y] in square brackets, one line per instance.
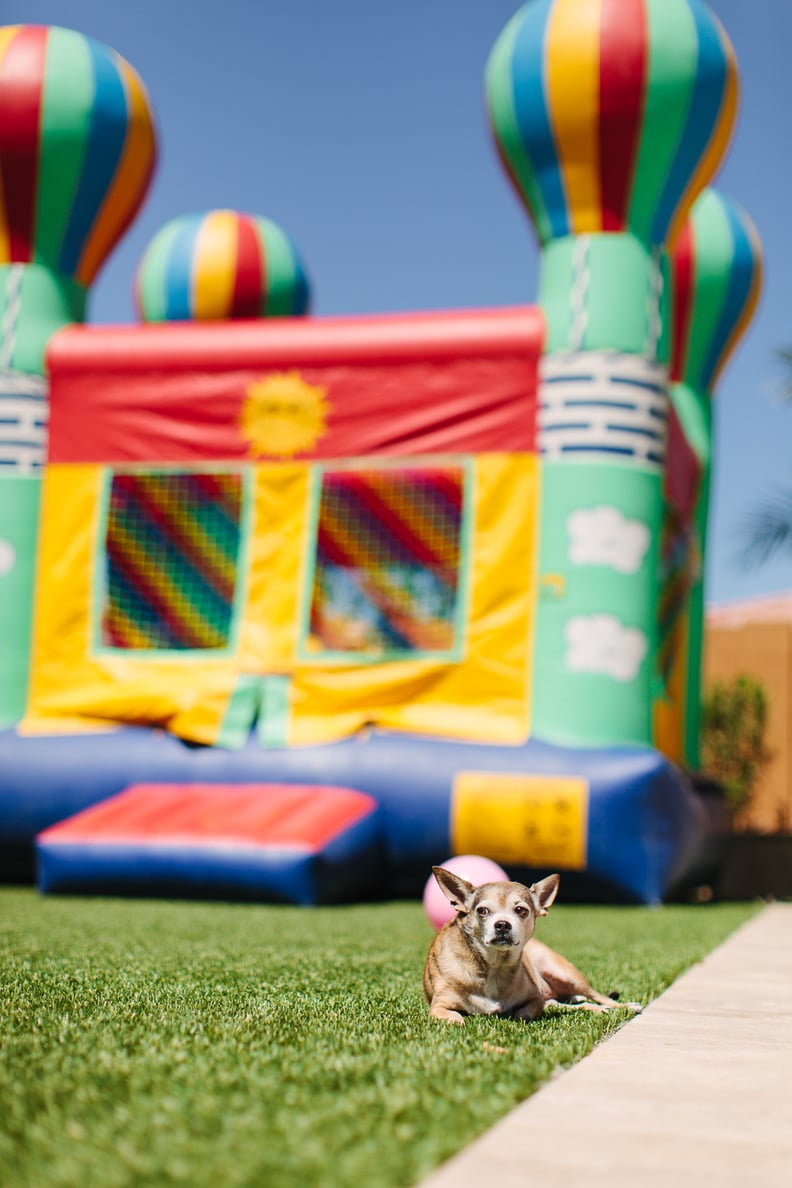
[784, 355]
[768, 530]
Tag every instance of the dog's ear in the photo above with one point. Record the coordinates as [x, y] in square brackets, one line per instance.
[544, 893]
[457, 891]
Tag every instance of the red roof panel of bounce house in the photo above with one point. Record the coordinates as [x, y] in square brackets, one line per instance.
[433, 383]
[299, 843]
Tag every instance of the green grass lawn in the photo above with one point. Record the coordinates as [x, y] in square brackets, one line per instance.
[155, 1043]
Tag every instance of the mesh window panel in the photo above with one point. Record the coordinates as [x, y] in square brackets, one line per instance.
[171, 550]
[388, 553]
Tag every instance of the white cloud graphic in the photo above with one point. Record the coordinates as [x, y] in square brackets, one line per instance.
[7, 557]
[600, 643]
[604, 536]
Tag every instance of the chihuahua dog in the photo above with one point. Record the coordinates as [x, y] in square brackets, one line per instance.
[486, 962]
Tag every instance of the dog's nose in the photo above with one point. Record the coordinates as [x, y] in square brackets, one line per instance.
[502, 927]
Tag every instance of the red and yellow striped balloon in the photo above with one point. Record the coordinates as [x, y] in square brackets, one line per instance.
[77, 149]
[611, 115]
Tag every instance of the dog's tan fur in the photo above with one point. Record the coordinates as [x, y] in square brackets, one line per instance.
[486, 961]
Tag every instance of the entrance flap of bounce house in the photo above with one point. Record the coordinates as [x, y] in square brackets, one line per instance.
[310, 527]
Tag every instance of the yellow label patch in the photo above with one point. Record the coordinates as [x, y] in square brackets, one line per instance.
[523, 820]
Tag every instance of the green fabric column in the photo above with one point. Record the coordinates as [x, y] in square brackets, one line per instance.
[694, 411]
[716, 274]
[602, 433]
[34, 303]
[604, 292]
[19, 505]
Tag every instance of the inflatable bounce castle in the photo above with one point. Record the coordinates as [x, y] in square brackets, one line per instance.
[292, 608]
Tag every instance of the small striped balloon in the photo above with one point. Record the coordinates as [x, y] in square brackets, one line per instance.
[716, 268]
[219, 265]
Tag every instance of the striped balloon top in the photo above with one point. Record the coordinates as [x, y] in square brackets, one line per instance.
[716, 269]
[611, 115]
[220, 265]
[77, 149]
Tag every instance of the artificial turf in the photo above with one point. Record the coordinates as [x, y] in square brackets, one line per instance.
[154, 1043]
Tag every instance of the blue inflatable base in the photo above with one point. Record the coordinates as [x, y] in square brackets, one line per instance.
[645, 825]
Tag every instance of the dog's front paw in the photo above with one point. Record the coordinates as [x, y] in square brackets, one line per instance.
[446, 1015]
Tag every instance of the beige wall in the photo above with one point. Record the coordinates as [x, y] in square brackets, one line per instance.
[762, 650]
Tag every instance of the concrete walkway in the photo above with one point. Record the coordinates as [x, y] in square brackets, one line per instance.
[696, 1091]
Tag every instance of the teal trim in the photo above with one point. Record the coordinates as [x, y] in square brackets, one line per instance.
[99, 583]
[99, 649]
[461, 611]
[241, 713]
[309, 561]
[243, 554]
[273, 719]
[19, 513]
[466, 542]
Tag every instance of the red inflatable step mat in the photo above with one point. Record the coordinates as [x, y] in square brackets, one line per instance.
[284, 843]
[292, 815]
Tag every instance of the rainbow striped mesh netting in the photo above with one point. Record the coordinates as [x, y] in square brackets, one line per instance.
[172, 545]
[388, 560]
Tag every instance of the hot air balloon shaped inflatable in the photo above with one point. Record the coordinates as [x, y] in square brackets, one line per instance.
[220, 265]
[77, 150]
[610, 116]
[716, 273]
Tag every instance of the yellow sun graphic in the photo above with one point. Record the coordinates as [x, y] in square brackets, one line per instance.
[283, 415]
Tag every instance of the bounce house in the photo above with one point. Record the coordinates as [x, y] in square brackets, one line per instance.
[292, 607]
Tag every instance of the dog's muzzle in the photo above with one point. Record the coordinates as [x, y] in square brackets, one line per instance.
[502, 933]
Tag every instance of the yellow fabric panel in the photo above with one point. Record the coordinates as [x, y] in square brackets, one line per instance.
[70, 508]
[33, 725]
[74, 685]
[69, 683]
[486, 695]
[188, 703]
[525, 820]
[276, 554]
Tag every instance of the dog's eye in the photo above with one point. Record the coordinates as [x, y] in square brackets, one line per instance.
[521, 911]
[482, 911]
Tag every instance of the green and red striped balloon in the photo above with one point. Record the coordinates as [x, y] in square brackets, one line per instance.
[611, 115]
[77, 149]
[716, 279]
[220, 265]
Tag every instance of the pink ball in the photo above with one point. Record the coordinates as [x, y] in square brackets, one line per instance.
[474, 868]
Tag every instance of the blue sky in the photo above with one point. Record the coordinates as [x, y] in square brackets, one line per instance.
[359, 126]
